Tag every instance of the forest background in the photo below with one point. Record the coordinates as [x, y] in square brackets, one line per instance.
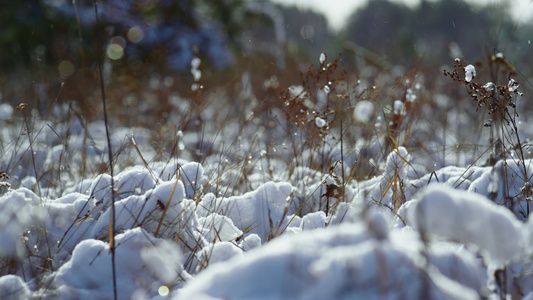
[48, 48]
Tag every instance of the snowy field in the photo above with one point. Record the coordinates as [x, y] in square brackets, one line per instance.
[338, 192]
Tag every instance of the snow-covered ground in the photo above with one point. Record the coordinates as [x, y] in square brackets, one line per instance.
[222, 216]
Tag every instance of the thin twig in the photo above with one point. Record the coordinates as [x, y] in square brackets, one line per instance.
[110, 155]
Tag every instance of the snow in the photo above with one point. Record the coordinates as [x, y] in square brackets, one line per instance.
[196, 73]
[216, 227]
[13, 287]
[410, 96]
[216, 253]
[489, 86]
[262, 211]
[322, 58]
[342, 262]
[313, 221]
[470, 73]
[363, 111]
[320, 123]
[398, 107]
[6, 111]
[274, 241]
[192, 177]
[513, 85]
[297, 91]
[448, 213]
[18, 214]
[87, 274]
[225, 216]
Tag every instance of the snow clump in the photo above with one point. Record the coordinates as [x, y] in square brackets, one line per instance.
[320, 123]
[468, 218]
[363, 111]
[322, 58]
[470, 73]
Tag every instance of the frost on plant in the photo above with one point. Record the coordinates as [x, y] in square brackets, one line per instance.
[411, 96]
[195, 71]
[470, 73]
[398, 107]
[322, 58]
[320, 123]
[513, 86]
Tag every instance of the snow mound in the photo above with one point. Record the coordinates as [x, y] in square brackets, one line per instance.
[141, 261]
[19, 212]
[218, 228]
[261, 211]
[467, 217]
[12, 287]
[338, 262]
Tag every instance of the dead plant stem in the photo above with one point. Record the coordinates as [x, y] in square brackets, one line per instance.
[110, 156]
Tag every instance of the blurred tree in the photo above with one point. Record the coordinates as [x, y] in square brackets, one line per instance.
[384, 27]
[403, 34]
[28, 32]
[171, 28]
[307, 33]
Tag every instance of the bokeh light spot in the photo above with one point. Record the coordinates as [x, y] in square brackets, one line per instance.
[135, 34]
[65, 68]
[163, 290]
[115, 49]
